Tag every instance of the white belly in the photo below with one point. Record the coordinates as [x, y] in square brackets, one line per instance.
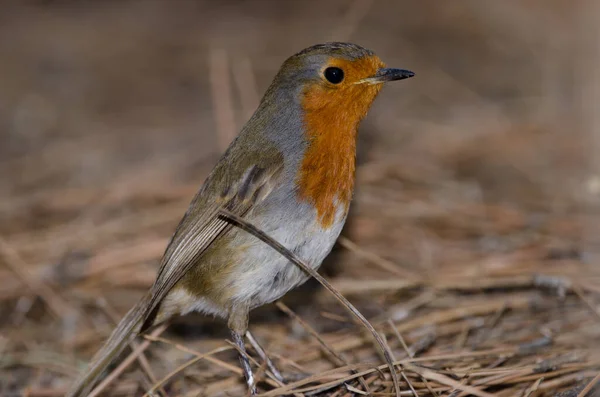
[260, 274]
[266, 275]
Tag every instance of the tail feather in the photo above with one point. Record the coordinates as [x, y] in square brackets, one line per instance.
[116, 343]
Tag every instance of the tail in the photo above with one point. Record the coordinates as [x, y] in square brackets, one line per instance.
[116, 343]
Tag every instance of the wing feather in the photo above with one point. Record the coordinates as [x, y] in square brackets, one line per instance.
[198, 229]
[196, 233]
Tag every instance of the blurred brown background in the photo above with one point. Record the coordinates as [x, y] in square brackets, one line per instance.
[113, 112]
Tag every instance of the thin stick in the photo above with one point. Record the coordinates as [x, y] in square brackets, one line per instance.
[57, 305]
[340, 360]
[400, 338]
[275, 374]
[263, 354]
[182, 367]
[244, 225]
[533, 387]
[133, 344]
[235, 369]
[410, 386]
[329, 350]
[370, 370]
[372, 257]
[123, 366]
[587, 302]
[409, 352]
[444, 380]
[589, 386]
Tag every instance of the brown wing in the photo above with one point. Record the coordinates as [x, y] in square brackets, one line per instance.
[197, 231]
[200, 226]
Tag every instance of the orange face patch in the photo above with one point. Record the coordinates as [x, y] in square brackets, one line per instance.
[332, 113]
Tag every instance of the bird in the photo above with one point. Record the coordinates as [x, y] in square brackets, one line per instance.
[290, 172]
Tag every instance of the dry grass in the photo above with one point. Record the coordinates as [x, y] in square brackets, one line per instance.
[472, 244]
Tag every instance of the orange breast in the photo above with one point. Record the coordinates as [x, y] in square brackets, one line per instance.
[331, 118]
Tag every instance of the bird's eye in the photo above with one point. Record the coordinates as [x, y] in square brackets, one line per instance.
[334, 75]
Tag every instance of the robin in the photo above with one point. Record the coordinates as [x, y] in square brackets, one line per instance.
[290, 172]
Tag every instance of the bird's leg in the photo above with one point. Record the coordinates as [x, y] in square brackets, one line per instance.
[238, 339]
[263, 355]
[238, 324]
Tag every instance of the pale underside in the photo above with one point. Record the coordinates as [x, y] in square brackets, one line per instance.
[261, 275]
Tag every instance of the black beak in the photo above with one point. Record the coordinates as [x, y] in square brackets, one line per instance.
[390, 74]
